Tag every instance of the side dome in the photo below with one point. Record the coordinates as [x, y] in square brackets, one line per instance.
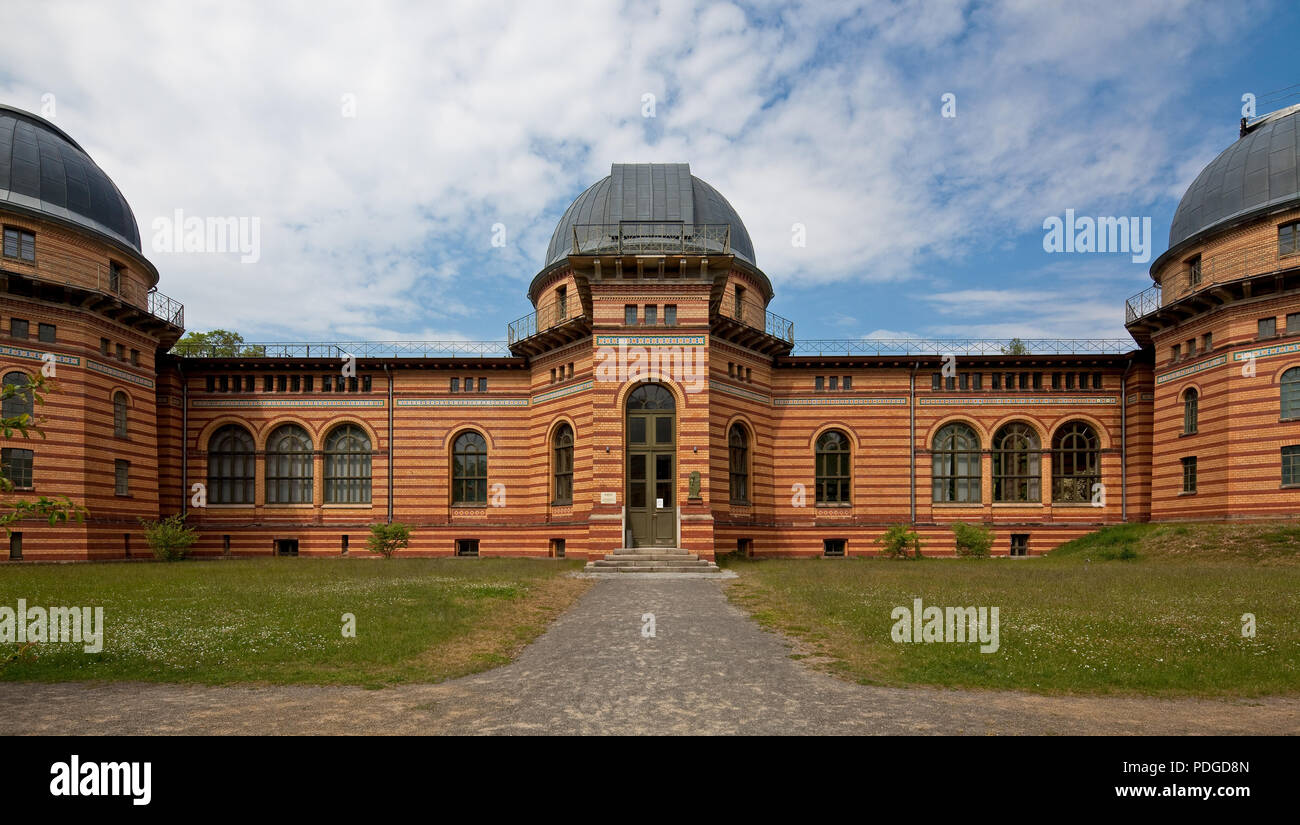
[44, 171]
[1255, 175]
[649, 192]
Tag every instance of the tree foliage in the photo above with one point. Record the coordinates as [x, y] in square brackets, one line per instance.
[387, 539]
[169, 538]
[217, 343]
[54, 510]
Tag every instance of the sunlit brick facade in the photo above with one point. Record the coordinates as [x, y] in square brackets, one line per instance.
[650, 397]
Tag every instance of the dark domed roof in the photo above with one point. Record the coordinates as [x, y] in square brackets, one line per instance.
[649, 192]
[43, 170]
[1256, 174]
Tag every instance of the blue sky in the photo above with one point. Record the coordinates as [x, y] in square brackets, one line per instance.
[379, 225]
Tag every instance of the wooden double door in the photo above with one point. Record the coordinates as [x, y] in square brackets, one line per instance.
[651, 470]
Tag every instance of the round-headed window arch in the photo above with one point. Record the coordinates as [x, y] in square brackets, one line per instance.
[469, 469]
[289, 466]
[834, 477]
[1076, 463]
[562, 463]
[1191, 402]
[1290, 392]
[957, 465]
[738, 459]
[1016, 464]
[19, 402]
[347, 465]
[232, 475]
[651, 397]
[119, 414]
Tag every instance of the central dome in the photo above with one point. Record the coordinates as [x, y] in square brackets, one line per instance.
[44, 171]
[649, 192]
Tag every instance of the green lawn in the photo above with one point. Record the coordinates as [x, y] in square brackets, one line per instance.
[280, 620]
[1149, 609]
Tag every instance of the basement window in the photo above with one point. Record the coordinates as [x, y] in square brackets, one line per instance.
[557, 548]
[1020, 544]
[467, 547]
[833, 548]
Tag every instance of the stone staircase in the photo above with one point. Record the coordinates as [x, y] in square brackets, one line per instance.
[652, 560]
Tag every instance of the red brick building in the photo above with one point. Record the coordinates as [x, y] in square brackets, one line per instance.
[651, 396]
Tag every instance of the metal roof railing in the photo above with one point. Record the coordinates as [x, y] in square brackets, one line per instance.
[53, 267]
[344, 349]
[964, 346]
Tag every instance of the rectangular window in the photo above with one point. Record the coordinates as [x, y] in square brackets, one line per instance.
[268, 383]
[338, 383]
[819, 384]
[467, 547]
[1191, 347]
[366, 383]
[20, 244]
[965, 381]
[280, 383]
[651, 314]
[936, 381]
[740, 302]
[308, 383]
[121, 351]
[19, 328]
[135, 361]
[1207, 341]
[629, 315]
[1011, 380]
[1293, 323]
[352, 384]
[978, 382]
[833, 548]
[122, 477]
[455, 383]
[1189, 474]
[950, 383]
[847, 383]
[210, 383]
[1267, 327]
[114, 277]
[1069, 380]
[1038, 380]
[670, 315]
[15, 547]
[552, 376]
[295, 383]
[997, 380]
[1096, 380]
[562, 303]
[1024, 380]
[1173, 352]
[482, 385]
[1291, 466]
[1194, 271]
[17, 467]
[1288, 239]
[1056, 380]
[104, 346]
[749, 374]
[224, 383]
[834, 383]
[1020, 544]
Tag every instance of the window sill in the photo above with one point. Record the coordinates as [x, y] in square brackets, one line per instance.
[270, 506]
[1077, 505]
[361, 505]
[123, 495]
[248, 506]
[561, 503]
[1017, 504]
[1187, 493]
[461, 506]
[1185, 435]
[957, 505]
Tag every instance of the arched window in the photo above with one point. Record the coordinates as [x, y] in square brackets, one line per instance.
[957, 465]
[738, 450]
[232, 477]
[1076, 463]
[1290, 393]
[562, 450]
[347, 465]
[119, 414]
[1190, 400]
[651, 397]
[288, 466]
[833, 476]
[469, 469]
[20, 403]
[1016, 475]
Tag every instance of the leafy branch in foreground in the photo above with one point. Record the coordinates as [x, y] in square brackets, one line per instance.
[54, 510]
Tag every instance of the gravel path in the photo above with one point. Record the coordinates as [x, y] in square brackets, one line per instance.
[708, 669]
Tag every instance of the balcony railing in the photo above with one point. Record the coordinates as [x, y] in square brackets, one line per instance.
[1219, 268]
[344, 349]
[964, 346]
[66, 270]
[1142, 304]
[651, 238]
[753, 314]
[549, 316]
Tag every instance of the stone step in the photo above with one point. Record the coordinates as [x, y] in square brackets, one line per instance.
[633, 551]
[706, 568]
[680, 557]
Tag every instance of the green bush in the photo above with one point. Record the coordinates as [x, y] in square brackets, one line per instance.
[387, 539]
[169, 538]
[900, 542]
[973, 540]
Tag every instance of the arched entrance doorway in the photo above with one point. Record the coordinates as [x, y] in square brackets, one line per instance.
[651, 460]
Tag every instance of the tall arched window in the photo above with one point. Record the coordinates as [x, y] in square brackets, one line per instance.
[288, 466]
[119, 414]
[562, 452]
[347, 465]
[834, 478]
[1016, 475]
[738, 451]
[20, 403]
[1076, 463]
[1290, 393]
[957, 465]
[232, 476]
[1190, 401]
[469, 469]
